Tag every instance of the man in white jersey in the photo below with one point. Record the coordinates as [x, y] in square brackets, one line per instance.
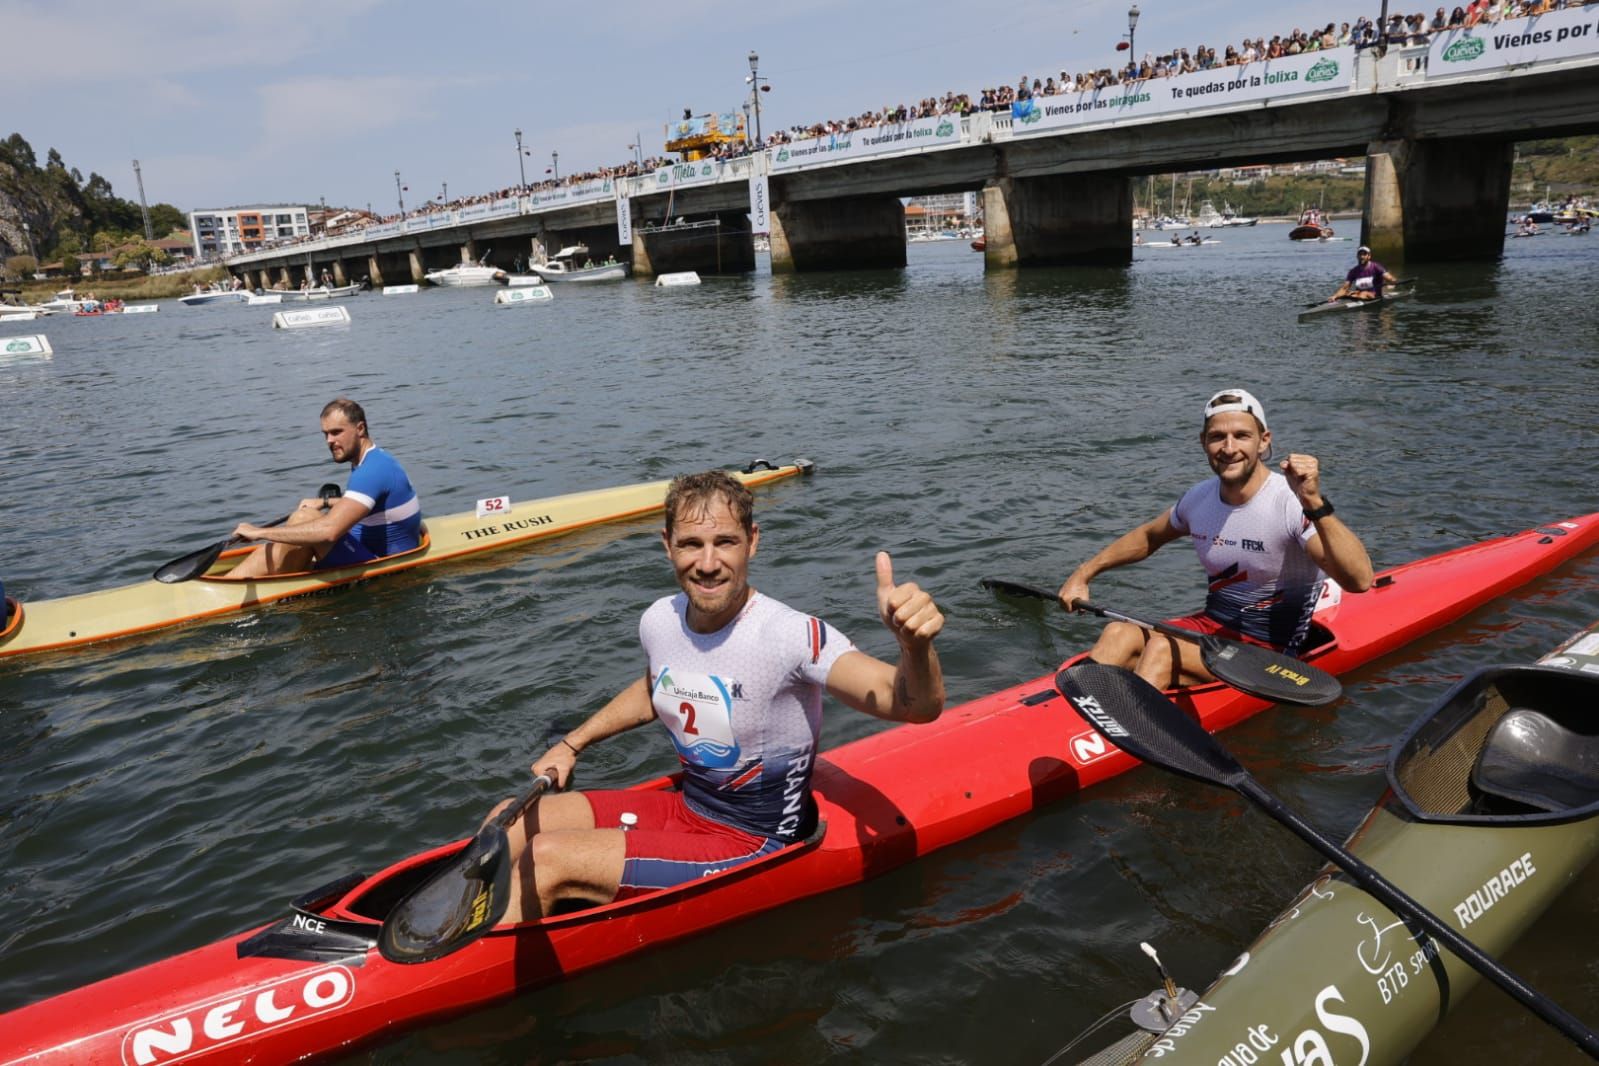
[737, 680]
[378, 515]
[1266, 541]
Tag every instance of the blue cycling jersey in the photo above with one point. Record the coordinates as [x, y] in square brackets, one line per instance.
[395, 522]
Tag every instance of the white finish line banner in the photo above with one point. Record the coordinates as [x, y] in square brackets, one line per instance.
[1542, 38]
[1329, 71]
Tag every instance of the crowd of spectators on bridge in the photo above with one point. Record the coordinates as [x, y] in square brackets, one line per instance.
[1400, 31]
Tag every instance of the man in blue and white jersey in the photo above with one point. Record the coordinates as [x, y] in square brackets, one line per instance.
[1266, 540]
[736, 678]
[378, 515]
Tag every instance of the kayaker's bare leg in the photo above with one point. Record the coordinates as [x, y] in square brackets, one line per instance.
[568, 859]
[1119, 644]
[1170, 663]
[273, 558]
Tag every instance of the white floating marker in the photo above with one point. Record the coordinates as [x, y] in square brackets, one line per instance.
[336, 315]
[20, 316]
[515, 280]
[672, 281]
[16, 348]
[531, 294]
[265, 298]
[141, 309]
[399, 290]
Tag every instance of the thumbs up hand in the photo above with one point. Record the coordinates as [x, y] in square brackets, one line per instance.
[908, 612]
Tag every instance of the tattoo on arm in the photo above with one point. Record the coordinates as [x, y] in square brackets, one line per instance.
[902, 691]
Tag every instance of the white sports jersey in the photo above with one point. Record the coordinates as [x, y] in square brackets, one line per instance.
[744, 707]
[1262, 581]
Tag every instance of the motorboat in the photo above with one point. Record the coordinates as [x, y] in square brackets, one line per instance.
[216, 294]
[565, 265]
[323, 292]
[65, 300]
[1230, 217]
[462, 275]
[1312, 227]
[1208, 216]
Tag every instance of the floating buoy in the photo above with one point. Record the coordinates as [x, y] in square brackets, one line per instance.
[12, 348]
[528, 295]
[400, 290]
[336, 315]
[141, 309]
[672, 281]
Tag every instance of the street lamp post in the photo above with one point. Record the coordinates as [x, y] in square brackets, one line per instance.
[555, 164]
[399, 192]
[521, 169]
[755, 81]
[444, 198]
[638, 149]
[1132, 27]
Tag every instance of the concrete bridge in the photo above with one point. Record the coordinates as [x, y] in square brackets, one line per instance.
[1437, 122]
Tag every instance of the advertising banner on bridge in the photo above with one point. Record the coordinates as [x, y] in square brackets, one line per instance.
[580, 193]
[1541, 38]
[935, 132]
[624, 220]
[489, 209]
[699, 172]
[760, 204]
[1277, 79]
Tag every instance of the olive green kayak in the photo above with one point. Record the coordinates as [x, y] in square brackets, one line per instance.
[1491, 812]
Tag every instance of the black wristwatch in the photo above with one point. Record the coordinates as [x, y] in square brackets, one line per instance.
[1323, 511]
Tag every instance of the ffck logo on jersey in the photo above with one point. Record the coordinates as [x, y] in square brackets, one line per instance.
[204, 1027]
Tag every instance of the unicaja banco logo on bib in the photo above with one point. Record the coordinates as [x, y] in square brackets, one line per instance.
[1465, 49]
[1326, 70]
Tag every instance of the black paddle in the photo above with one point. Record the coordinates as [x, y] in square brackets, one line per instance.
[464, 899]
[1250, 668]
[191, 566]
[1136, 717]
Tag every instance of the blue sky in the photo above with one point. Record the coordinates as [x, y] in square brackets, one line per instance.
[292, 101]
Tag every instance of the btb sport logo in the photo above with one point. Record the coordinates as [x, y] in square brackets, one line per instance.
[242, 1015]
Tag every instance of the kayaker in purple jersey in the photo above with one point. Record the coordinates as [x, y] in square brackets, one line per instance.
[1365, 280]
[378, 515]
[1266, 540]
[737, 679]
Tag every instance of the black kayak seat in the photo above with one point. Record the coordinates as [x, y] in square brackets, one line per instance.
[1531, 759]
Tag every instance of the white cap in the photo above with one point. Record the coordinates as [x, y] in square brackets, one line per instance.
[1235, 400]
[1363, 248]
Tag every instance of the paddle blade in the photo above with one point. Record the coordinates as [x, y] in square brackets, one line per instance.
[1016, 588]
[455, 906]
[1271, 675]
[192, 565]
[1133, 715]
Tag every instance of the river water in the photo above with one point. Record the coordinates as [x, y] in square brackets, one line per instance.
[163, 792]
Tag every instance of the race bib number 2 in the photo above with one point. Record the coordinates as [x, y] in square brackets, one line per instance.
[698, 709]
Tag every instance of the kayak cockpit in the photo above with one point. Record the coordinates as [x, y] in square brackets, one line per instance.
[11, 620]
[1514, 744]
[229, 559]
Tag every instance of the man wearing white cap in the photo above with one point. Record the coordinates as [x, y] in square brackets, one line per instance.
[1365, 280]
[1266, 540]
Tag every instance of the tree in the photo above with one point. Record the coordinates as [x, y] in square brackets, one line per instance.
[141, 256]
[22, 266]
[70, 266]
[166, 219]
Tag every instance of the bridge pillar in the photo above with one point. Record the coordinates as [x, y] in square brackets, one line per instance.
[1058, 220]
[338, 273]
[284, 280]
[1436, 200]
[851, 233]
[374, 270]
[469, 251]
[722, 244]
[419, 268]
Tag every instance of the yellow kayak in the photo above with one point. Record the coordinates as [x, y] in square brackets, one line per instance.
[94, 616]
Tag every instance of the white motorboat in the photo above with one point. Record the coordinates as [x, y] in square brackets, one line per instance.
[1230, 217]
[1208, 216]
[214, 295]
[65, 300]
[323, 292]
[466, 274]
[572, 264]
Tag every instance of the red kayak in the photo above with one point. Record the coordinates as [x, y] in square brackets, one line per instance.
[313, 983]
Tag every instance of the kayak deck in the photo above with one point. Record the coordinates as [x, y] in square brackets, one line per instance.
[1351, 304]
[89, 617]
[1001, 756]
